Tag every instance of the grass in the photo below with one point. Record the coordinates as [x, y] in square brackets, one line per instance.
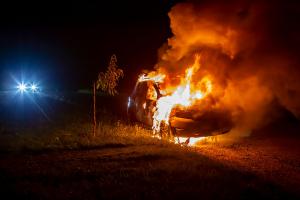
[62, 160]
[77, 134]
[122, 161]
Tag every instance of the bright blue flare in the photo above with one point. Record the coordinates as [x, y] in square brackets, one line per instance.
[34, 87]
[22, 87]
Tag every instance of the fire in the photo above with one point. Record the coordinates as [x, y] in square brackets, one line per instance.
[241, 79]
[189, 141]
[184, 95]
[158, 78]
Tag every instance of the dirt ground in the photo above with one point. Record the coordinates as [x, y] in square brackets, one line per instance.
[248, 169]
[263, 166]
[274, 159]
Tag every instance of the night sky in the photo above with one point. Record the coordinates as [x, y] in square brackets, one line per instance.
[65, 44]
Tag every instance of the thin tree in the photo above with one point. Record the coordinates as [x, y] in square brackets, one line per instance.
[106, 82]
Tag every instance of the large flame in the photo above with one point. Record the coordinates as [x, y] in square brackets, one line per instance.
[253, 66]
[185, 94]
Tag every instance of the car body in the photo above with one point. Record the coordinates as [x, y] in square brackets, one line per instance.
[183, 122]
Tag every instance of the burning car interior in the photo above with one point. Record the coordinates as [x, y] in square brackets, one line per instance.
[188, 111]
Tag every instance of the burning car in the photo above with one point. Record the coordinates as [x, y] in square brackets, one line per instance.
[148, 104]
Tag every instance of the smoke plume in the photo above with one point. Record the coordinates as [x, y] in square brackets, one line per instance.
[250, 49]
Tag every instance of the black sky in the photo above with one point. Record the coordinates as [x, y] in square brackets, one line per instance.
[68, 43]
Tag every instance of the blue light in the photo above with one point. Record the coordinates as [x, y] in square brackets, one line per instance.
[34, 87]
[22, 87]
[27, 88]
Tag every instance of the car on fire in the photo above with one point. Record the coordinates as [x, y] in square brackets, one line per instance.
[183, 122]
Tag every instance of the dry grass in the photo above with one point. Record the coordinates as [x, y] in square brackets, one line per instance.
[78, 135]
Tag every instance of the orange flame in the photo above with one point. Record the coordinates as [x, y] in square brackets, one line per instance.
[191, 141]
[158, 78]
[184, 96]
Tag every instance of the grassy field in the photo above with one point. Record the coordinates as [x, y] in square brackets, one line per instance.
[62, 160]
